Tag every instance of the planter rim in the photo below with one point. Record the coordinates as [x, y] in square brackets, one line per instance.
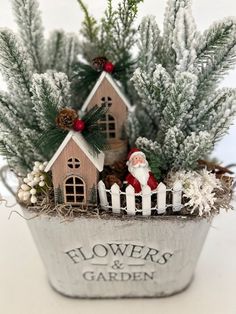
[117, 217]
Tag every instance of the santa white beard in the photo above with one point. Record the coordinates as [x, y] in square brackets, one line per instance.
[140, 172]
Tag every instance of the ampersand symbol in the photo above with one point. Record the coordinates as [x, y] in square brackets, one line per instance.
[117, 265]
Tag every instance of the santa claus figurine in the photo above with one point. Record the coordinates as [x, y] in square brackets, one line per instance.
[139, 172]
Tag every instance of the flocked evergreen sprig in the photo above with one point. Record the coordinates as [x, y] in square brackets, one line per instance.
[182, 112]
[114, 37]
[38, 72]
[23, 57]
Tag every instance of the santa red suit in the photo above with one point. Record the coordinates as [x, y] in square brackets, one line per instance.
[139, 172]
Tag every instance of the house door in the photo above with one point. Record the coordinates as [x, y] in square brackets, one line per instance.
[74, 190]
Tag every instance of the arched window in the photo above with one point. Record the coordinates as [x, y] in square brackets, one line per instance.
[108, 126]
[73, 163]
[74, 190]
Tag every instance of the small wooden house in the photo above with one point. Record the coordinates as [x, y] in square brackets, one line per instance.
[75, 170]
[106, 91]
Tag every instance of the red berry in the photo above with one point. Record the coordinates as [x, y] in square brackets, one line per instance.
[78, 125]
[108, 67]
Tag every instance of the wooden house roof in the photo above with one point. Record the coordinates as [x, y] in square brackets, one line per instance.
[113, 83]
[97, 160]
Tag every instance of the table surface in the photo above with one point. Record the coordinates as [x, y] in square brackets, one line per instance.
[24, 287]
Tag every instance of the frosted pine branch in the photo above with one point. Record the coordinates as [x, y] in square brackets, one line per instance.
[55, 50]
[172, 8]
[28, 19]
[16, 67]
[149, 43]
[193, 147]
[216, 55]
[170, 148]
[151, 88]
[47, 98]
[148, 145]
[62, 50]
[133, 128]
[185, 39]
[62, 87]
[181, 98]
[71, 53]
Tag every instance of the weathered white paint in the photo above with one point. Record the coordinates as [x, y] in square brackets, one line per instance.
[146, 201]
[54, 238]
[130, 200]
[177, 196]
[103, 195]
[147, 205]
[115, 198]
[161, 198]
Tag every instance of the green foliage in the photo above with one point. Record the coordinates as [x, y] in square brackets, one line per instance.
[113, 37]
[93, 132]
[118, 32]
[52, 136]
[83, 80]
[90, 26]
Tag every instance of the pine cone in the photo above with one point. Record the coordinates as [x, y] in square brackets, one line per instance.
[110, 180]
[119, 168]
[66, 118]
[98, 63]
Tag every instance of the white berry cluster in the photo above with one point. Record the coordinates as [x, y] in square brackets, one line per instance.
[34, 181]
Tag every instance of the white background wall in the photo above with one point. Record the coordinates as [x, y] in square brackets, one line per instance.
[23, 284]
[68, 16]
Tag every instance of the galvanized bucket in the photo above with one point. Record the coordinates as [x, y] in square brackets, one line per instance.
[114, 257]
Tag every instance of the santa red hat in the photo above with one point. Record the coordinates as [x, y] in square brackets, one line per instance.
[133, 152]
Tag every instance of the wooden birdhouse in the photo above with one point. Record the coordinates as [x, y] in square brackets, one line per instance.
[75, 170]
[113, 124]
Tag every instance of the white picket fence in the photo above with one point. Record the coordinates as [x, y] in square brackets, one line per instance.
[145, 203]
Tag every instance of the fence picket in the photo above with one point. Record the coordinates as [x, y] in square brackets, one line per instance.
[130, 200]
[177, 196]
[161, 198]
[103, 195]
[115, 198]
[146, 196]
[146, 201]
